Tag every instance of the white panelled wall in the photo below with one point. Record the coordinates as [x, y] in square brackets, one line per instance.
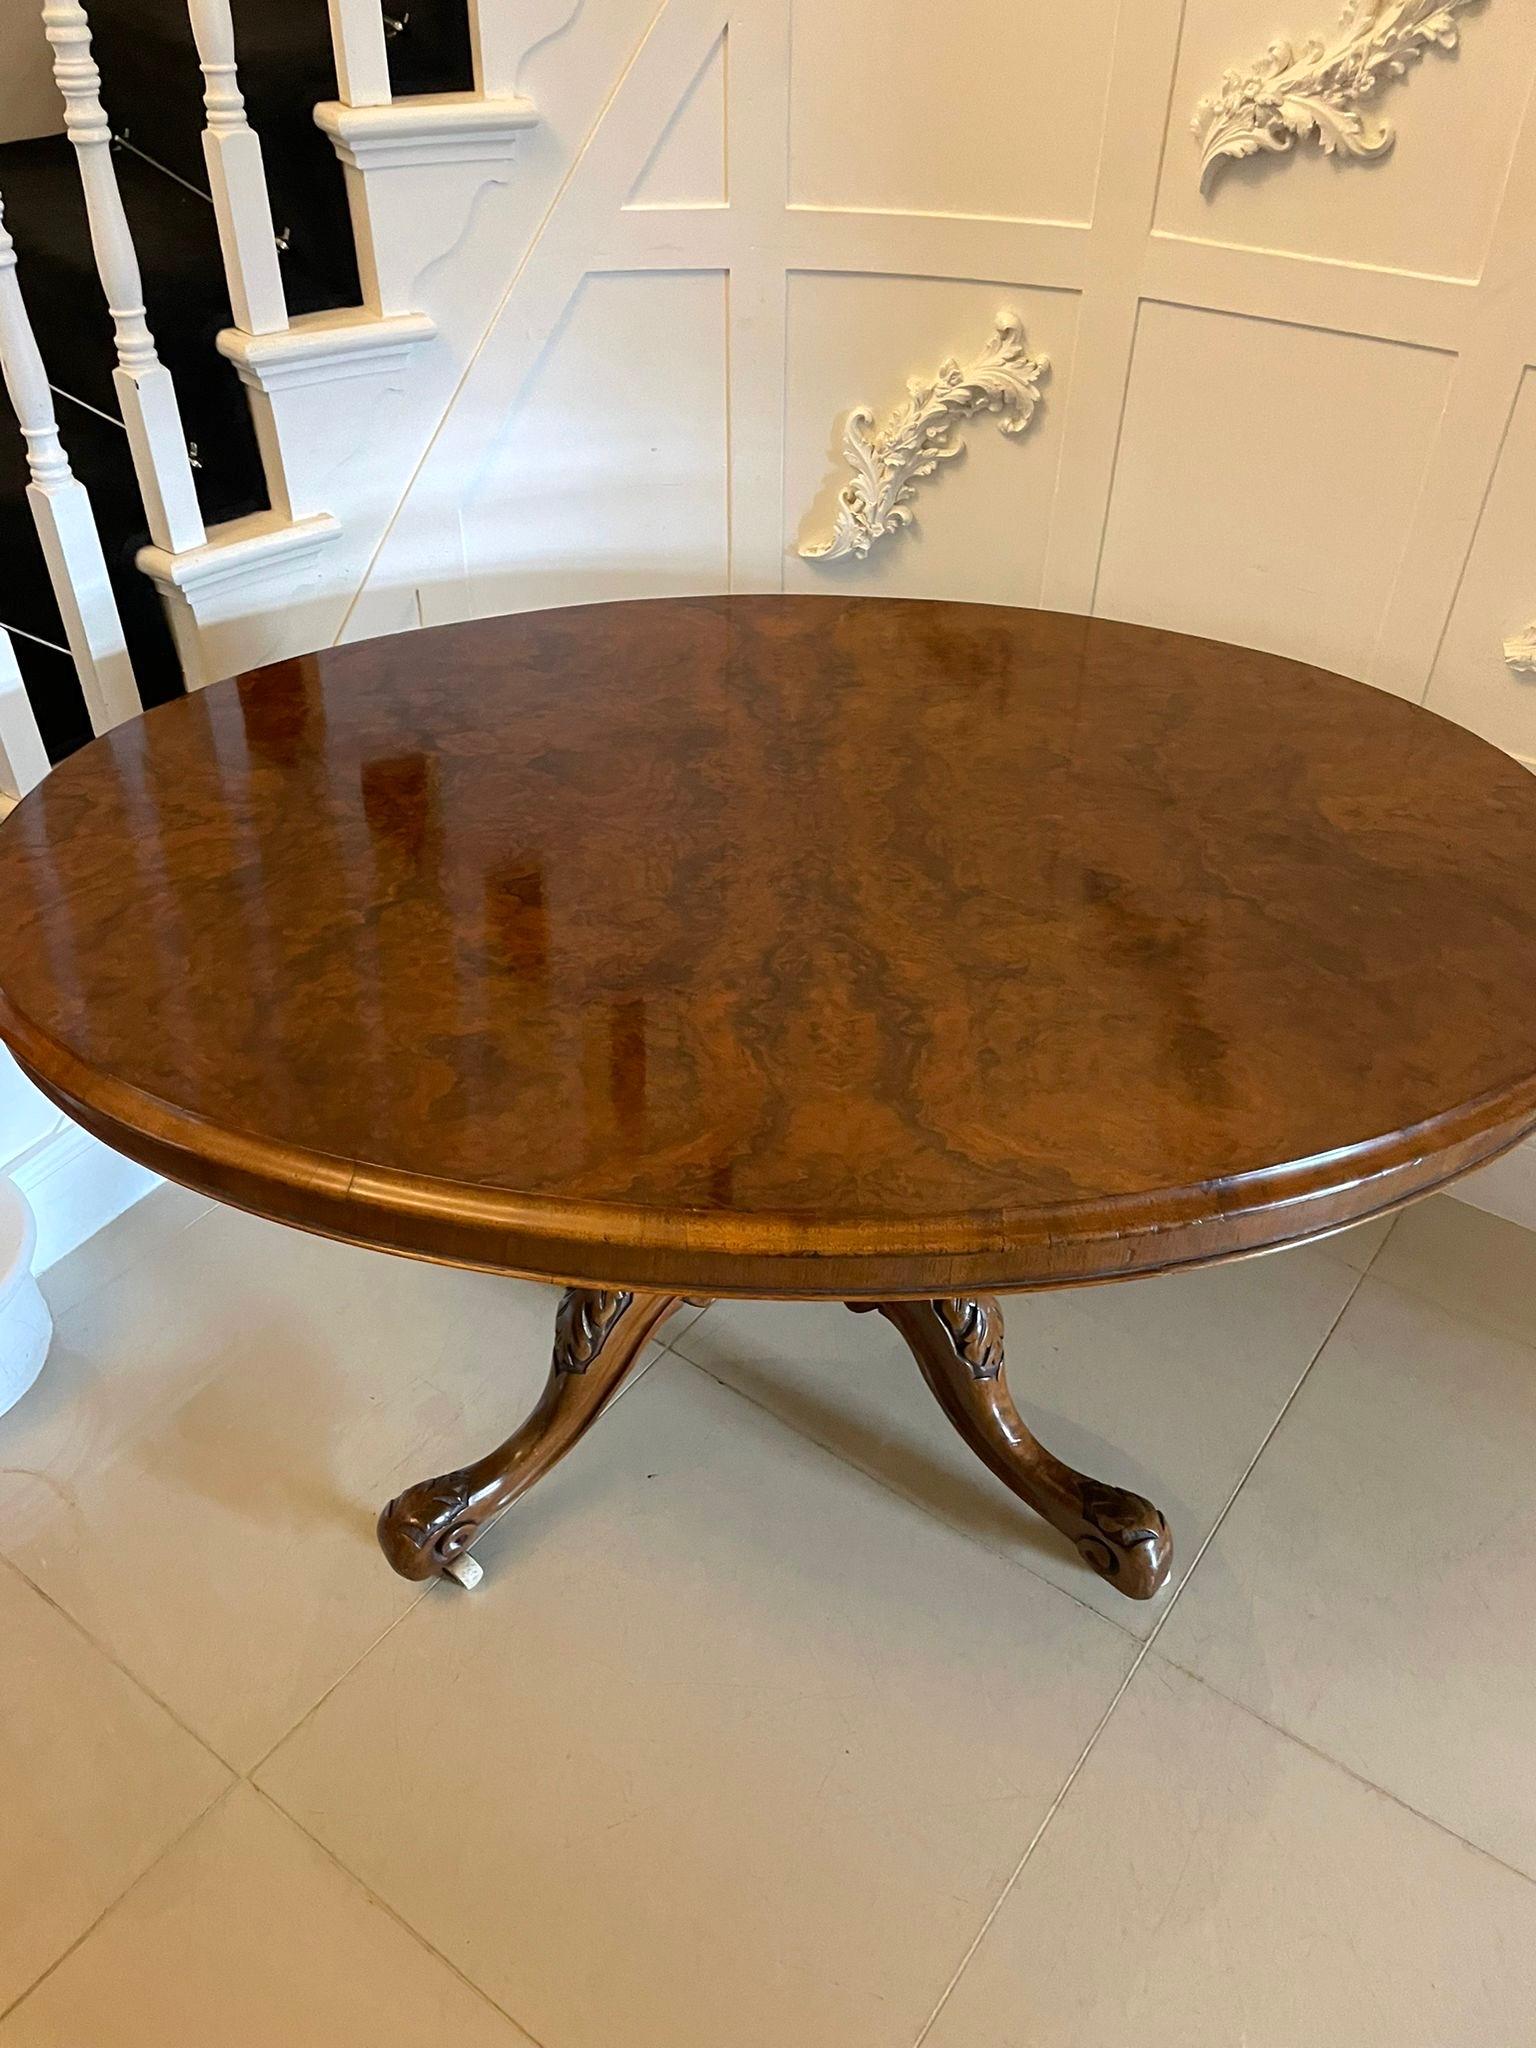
[1293, 405]
[1295, 408]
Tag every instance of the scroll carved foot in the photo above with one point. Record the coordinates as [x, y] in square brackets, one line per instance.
[958, 1345]
[598, 1337]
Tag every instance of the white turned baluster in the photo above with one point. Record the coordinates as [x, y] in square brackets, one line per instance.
[145, 392]
[362, 61]
[237, 179]
[23, 764]
[62, 512]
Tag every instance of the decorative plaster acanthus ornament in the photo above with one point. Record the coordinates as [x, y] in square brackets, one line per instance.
[1317, 88]
[1520, 651]
[889, 465]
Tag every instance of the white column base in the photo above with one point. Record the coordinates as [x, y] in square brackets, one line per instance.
[26, 1327]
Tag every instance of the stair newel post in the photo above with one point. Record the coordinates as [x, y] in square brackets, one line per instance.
[145, 393]
[237, 179]
[362, 59]
[61, 511]
[23, 764]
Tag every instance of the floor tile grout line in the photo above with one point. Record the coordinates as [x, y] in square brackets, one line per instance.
[675, 1329]
[109, 1280]
[133, 1432]
[1047, 1817]
[376, 1899]
[1144, 1652]
[887, 1486]
[665, 1347]
[1469, 1318]
[405, 1613]
[249, 1774]
[104, 1650]
[142, 1686]
[1252, 1465]
[1386, 1236]
[224, 1793]
[203, 1813]
[1337, 1764]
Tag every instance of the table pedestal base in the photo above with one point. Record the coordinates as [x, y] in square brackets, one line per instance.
[958, 1345]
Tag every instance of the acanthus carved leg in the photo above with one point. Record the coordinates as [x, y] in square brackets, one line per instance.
[958, 1344]
[598, 1337]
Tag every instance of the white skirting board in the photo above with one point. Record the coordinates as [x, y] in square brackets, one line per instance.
[76, 1186]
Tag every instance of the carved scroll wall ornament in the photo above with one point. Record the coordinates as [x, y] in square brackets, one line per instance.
[1318, 87]
[888, 465]
[1520, 651]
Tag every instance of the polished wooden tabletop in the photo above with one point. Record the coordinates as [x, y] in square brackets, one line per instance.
[786, 946]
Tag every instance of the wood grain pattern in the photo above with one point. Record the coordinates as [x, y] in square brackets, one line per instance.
[786, 946]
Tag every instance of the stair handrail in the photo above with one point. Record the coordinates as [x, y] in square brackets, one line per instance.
[23, 763]
[145, 391]
[237, 178]
[61, 511]
[362, 54]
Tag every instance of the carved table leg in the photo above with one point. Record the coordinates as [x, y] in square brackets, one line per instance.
[959, 1346]
[598, 1337]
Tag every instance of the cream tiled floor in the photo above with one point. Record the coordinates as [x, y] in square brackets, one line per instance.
[776, 1722]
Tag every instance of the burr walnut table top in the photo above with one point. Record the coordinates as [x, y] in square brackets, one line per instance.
[786, 946]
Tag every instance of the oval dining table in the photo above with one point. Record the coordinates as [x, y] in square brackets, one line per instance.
[900, 953]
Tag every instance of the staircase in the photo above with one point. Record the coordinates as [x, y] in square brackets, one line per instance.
[235, 332]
